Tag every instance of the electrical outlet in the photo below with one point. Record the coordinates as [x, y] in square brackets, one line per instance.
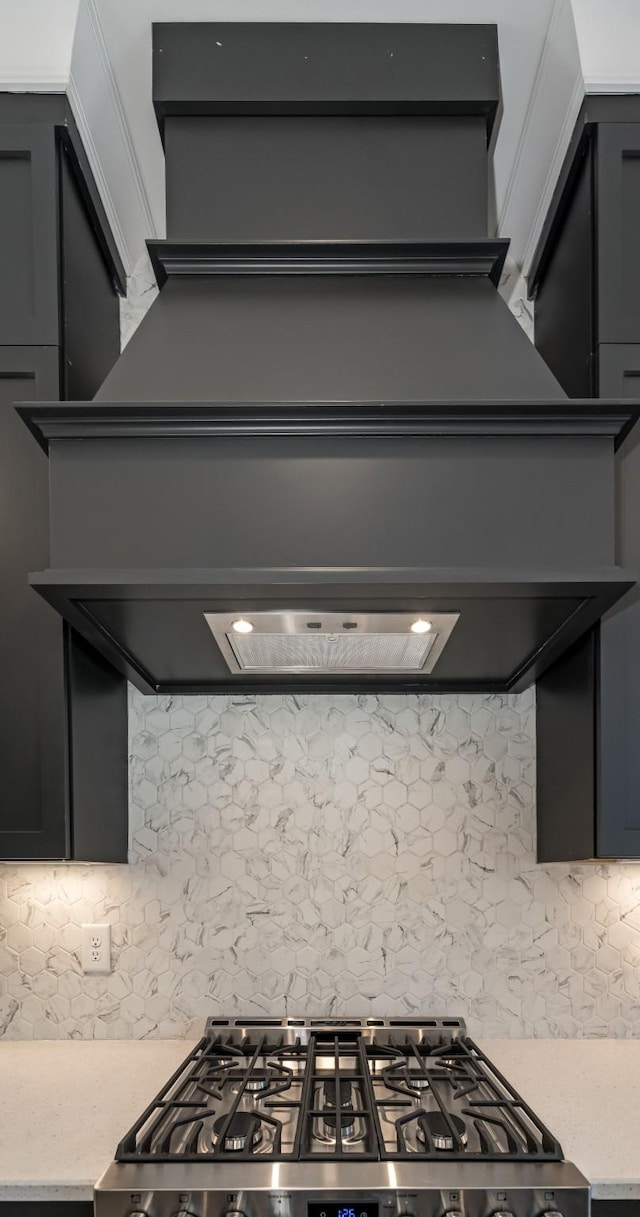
[96, 948]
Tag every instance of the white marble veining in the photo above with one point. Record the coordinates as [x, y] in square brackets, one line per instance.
[344, 854]
[513, 289]
[142, 290]
[78, 1100]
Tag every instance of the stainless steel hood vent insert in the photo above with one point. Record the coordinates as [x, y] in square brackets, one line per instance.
[331, 642]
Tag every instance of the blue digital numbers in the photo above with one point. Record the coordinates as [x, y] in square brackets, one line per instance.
[336, 1209]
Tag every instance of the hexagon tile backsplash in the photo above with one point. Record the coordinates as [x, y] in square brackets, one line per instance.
[326, 855]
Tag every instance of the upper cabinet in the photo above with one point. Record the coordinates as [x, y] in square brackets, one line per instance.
[585, 281]
[63, 738]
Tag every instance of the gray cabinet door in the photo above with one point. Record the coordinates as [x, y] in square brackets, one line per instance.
[617, 200]
[28, 235]
[33, 819]
[618, 814]
[618, 718]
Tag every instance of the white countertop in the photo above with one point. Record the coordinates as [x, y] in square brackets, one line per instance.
[586, 1092]
[65, 1105]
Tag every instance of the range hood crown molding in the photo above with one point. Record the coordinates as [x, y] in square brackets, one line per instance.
[484, 258]
[91, 420]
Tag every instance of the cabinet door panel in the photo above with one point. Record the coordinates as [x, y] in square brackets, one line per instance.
[618, 232]
[619, 369]
[33, 821]
[90, 309]
[618, 818]
[566, 754]
[28, 236]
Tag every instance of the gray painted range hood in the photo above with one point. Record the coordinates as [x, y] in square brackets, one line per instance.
[329, 429]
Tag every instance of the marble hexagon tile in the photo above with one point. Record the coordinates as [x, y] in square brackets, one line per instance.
[327, 855]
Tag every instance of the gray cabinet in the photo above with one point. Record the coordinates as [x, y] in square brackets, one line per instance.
[585, 281]
[32, 709]
[616, 196]
[63, 748]
[28, 238]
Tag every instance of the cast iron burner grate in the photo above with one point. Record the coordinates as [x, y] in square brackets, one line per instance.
[404, 1093]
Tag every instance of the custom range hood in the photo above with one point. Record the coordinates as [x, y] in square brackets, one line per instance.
[329, 458]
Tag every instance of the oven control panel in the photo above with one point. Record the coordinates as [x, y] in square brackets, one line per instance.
[428, 1202]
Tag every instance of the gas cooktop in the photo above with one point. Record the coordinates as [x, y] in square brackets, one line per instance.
[339, 1118]
[343, 1091]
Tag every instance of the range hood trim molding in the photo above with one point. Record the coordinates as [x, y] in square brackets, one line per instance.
[482, 258]
[51, 421]
[70, 593]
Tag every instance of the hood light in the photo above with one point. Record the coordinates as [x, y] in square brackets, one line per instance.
[420, 626]
[244, 627]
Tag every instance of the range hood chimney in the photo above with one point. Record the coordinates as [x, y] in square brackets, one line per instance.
[329, 428]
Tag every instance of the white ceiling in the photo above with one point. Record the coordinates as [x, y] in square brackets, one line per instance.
[551, 51]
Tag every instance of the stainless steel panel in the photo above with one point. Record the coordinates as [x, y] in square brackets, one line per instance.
[400, 1189]
[316, 641]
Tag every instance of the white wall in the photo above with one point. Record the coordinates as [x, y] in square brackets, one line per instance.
[608, 33]
[551, 115]
[110, 95]
[35, 44]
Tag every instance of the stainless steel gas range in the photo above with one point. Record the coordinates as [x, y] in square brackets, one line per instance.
[339, 1118]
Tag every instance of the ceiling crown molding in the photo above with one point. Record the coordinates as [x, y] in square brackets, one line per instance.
[551, 115]
[620, 83]
[101, 117]
[28, 79]
[569, 120]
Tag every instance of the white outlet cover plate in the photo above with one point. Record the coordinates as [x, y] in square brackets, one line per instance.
[95, 951]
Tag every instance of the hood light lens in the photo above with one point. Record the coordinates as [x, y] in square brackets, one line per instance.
[420, 626]
[241, 626]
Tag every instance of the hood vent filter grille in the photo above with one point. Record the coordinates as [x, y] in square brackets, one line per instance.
[330, 642]
[332, 652]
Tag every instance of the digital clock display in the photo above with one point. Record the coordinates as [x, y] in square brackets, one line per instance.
[348, 1208]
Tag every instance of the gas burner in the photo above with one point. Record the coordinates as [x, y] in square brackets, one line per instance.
[406, 1080]
[422, 1081]
[330, 1089]
[433, 1125]
[243, 1132]
[330, 1125]
[218, 1069]
[258, 1080]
